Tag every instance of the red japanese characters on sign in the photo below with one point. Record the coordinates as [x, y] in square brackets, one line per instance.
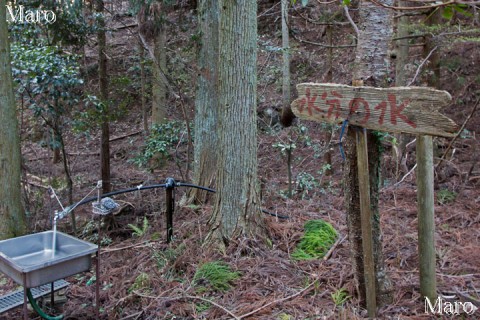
[408, 109]
[332, 107]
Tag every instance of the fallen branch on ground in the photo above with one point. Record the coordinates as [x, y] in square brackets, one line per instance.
[307, 288]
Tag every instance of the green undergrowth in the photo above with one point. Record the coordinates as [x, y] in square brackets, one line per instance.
[215, 276]
[318, 239]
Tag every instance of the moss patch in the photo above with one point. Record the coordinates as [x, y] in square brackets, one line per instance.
[215, 275]
[318, 239]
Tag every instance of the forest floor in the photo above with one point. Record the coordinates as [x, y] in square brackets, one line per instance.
[143, 277]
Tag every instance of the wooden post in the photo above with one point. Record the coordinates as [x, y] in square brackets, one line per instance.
[426, 220]
[366, 220]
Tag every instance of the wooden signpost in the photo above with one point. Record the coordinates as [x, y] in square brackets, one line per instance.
[401, 109]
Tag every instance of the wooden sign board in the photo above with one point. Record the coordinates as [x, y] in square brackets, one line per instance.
[400, 109]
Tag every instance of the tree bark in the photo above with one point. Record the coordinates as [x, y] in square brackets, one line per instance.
[103, 80]
[12, 213]
[370, 69]
[206, 102]
[237, 207]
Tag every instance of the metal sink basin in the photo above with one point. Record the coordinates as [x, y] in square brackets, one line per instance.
[30, 261]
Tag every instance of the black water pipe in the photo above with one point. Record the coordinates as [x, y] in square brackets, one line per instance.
[169, 186]
[113, 193]
[182, 184]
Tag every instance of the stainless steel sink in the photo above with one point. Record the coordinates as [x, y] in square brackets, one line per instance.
[30, 261]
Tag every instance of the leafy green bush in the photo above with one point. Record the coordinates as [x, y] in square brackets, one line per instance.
[142, 282]
[49, 82]
[215, 275]
[318, 238]
[163, 138]
[445, 196]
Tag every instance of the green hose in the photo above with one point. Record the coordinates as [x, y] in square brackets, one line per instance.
[38, 310]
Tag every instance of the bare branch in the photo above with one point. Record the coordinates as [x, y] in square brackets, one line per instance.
[279, 300]
[428, 7]
[324, 45]
[459, 132]
[347, 14]
[420, 66]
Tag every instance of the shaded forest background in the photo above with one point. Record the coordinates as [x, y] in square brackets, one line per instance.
[144, 278]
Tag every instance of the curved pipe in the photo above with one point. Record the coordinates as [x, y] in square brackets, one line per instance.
[113, 193]
[168, 184]
[182, 184]
[39, 310]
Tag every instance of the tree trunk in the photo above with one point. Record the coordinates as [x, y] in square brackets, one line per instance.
[433, 79]
[12, 213]
[159, 88]
[68, 177]
[375, 32]
[237, 207]
[402, 47]
[105, 127]
[206, 103]
[287, 114]
[143, 99]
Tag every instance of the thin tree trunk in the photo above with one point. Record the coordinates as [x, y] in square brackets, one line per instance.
[141, 53]
[433, 79]
[12, 213]
[206, 102]
[287, 116]
[237, 204]
[159, 89]
[103, 79]
[329, 77]
[375, 32]
[68, 177]
[401, 61]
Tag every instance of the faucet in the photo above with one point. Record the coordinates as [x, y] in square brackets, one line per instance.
[60, 215]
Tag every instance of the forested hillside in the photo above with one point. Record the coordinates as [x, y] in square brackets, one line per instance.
[120, 95]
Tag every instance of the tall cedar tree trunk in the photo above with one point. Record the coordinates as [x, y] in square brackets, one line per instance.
[12, 215]
[105, 127]
[206, 102]
[375, 27]
[159, 88]
[237, 209]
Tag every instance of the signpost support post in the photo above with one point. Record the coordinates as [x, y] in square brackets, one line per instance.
[366, 221]
[426, 219]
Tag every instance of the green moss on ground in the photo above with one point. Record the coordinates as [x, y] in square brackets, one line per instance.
[318, 239]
